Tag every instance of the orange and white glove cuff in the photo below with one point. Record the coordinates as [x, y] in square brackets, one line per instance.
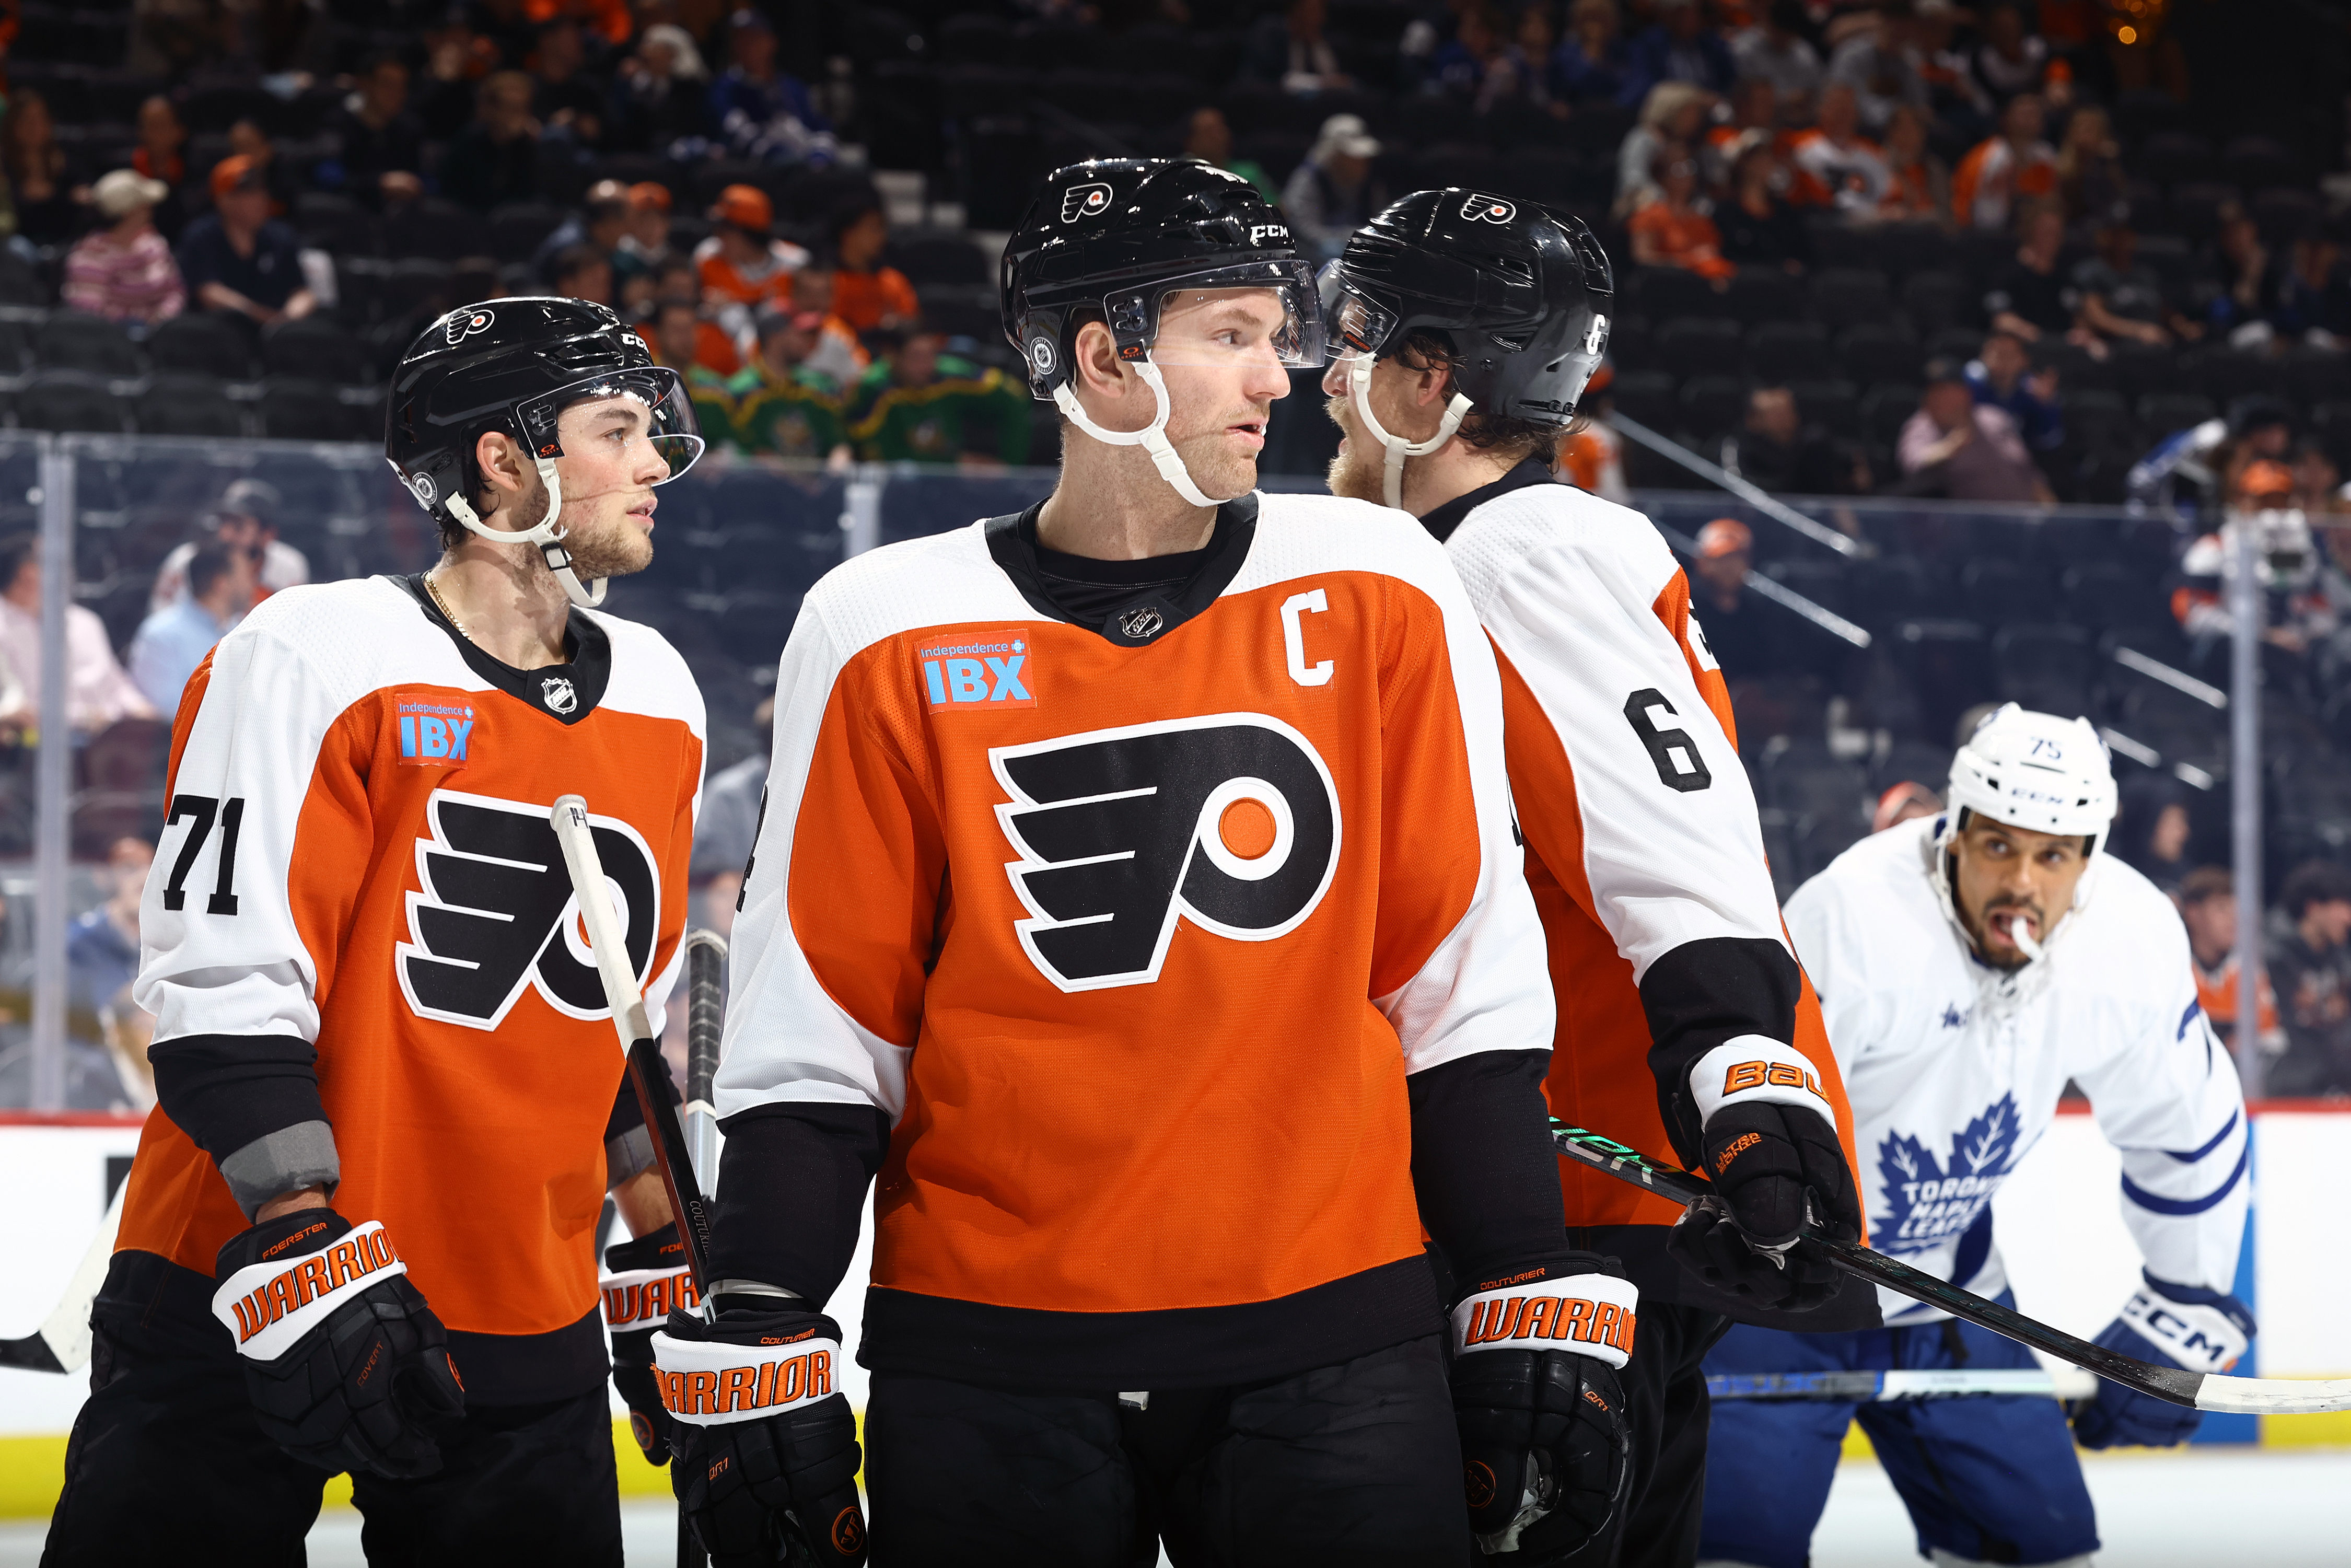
[1591, 1314]
[710, 1383]
[269, 1305]
[1754, 1067]
[639, 1298]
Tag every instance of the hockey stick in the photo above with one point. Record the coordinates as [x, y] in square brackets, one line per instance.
[2197, 1390]
[62, 1342]
[646, 1068]
[1876, 1387]
[706, 1022]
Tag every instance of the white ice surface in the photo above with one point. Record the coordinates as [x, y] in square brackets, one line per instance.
[2196, 1509]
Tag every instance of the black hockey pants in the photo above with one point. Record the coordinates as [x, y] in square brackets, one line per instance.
[1665, 1386]
[1357, 1463]
[166, 1464]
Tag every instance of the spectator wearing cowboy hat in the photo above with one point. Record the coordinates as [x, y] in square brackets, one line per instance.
[244, 520]
[1330, 194]
[124, 271]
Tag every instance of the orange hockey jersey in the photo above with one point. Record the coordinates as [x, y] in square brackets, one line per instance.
[1642, 846]
[1137, 936]
[358, 863]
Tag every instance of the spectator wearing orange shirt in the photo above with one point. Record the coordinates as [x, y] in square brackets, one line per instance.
[866, 294]
[1592, 454]
[713, 350]
[2016, 162]
[742, 265]
[1835, 164]
[1671, 231]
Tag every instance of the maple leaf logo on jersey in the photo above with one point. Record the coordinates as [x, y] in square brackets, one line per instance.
[1228, 821]
[497, 914]
[1927, 1202]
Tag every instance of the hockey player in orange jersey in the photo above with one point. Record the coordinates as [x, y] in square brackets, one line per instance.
[1136, 896]
[359, 1235]
[1466, 327]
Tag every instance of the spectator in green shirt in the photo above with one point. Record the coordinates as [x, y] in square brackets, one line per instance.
[783, 406]
[917, 404]
[1209, 137]
[676, 329]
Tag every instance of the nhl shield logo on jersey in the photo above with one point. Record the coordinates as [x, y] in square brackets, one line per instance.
[1090, 201]
[1230, 822]
[559, 693]
[1488, 210]
[495, 914]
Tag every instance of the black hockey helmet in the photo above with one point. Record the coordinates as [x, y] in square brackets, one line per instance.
[1522, 293]
[513, 365]
[1116, 235]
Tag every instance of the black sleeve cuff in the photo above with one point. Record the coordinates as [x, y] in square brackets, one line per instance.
[1483, 1161]
[1701, 994]
[228, 1091]
[791, 1190]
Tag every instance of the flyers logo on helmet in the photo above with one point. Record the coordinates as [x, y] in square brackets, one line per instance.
[1230, 822]
[461, 328]
[1488, 210]
[1089, 201]
[496, 913]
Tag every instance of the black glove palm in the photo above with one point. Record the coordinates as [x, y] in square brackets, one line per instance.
[1547, 1426]
[779, 1488]
[1772, 1167]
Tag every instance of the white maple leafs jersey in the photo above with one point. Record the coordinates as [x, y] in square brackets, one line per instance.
[1955, 1068]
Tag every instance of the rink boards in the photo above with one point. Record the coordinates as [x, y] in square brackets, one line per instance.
[2058, 1221]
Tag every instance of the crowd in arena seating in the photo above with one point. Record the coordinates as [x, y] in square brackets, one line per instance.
[2004, 251]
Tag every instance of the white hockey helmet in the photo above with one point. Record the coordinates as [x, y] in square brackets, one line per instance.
[2028, 771]
[2036, 770]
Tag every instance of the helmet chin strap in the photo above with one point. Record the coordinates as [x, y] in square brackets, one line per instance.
[1151, 438]
[1359, 389]
[545, 535]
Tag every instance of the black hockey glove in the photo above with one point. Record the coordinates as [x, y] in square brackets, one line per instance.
[347, 1368]
[1546, 1436]
[767, 1450]
[644, 1279]
[1770, 1146]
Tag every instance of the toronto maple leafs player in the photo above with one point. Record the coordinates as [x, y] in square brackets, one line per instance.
[1968, 964]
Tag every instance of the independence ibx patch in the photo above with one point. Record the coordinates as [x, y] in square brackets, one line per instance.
[435, 730]
[979, 670]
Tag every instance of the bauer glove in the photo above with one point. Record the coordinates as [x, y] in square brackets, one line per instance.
[2171, 1325]
[767, 1450]
[1546, 1436]
[347, 1368]
[1770, 1141]
[644, 1279]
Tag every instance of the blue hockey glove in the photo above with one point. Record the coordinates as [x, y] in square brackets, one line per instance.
[2175, 1325]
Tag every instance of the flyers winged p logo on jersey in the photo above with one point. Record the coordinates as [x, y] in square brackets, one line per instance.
[495, 913]
[1230, 822]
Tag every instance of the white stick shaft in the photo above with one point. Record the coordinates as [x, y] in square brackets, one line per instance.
[2272, 1395]
[67, 1329]
[570, 815]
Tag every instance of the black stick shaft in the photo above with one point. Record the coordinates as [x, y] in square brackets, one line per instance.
[648, 1075]
[1629, 1165]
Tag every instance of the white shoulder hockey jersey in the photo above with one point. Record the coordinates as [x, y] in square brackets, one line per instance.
[1955, 1068]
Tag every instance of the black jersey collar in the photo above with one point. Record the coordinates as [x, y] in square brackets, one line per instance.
[1442, 520]
[566, 692]
[1152, 613]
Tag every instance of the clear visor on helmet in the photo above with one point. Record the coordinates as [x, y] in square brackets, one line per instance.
[1356, 325]
[1254, 310]
[618, 407]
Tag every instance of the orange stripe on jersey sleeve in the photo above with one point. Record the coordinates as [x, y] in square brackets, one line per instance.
[1673, 608]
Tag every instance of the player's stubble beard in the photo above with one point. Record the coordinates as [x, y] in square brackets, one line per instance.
[600, 546]
[1356, 473]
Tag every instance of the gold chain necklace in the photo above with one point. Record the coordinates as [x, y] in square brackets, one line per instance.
[434, 588]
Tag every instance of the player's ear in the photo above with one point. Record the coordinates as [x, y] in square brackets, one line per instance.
[503, 466]
[1433, 386]
[1094, 365]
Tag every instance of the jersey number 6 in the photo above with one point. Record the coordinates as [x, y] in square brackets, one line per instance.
[204, 809]
[1679, 767]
